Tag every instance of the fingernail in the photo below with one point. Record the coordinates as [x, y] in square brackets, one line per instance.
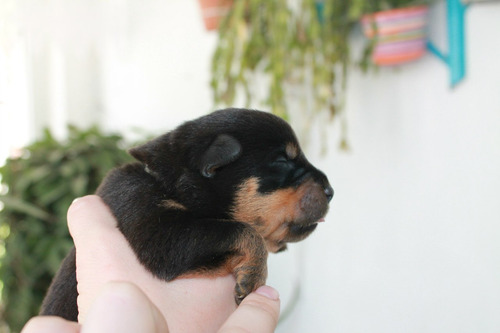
[268, 292]
[75, 200]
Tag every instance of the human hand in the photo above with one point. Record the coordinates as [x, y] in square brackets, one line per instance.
[104, 255]
[123, 307]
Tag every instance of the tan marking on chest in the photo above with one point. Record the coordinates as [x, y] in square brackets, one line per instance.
[172, 204]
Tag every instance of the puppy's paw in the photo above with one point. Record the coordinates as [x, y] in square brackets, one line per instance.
[250, 269]
[248, 281]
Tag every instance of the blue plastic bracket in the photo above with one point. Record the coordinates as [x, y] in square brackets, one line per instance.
[455, 59]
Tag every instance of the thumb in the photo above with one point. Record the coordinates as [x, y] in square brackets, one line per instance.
[123, 307]
[89, 218]
[259, 312]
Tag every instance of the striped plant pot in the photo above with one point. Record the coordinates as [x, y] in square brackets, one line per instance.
[400, 34]
[213, 11]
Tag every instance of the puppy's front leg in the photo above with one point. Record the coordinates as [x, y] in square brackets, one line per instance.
[184, 246]
[250, 263]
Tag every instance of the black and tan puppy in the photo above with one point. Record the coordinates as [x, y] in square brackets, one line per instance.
[209, 198]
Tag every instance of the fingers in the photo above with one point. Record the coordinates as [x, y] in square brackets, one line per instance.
[258, 312]
[120, 307]
[123, 307]
[50, 324]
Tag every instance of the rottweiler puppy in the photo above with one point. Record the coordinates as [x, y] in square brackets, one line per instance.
[211, 198]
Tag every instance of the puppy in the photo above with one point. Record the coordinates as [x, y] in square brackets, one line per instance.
[210, 198]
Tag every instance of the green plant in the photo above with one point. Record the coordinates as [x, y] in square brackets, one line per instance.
[307, 45]
[41, 185]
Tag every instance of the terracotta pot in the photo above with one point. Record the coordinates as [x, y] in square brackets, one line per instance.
[400, 34]
[213, 11]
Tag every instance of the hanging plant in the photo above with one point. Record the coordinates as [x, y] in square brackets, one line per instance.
[271, 38]
[306, 45]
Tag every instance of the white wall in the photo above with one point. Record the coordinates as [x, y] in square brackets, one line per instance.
[412, 240]
[157, 75]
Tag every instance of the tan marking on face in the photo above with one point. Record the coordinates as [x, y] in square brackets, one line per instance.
[268, 213]
[292, 150]
[172, 204]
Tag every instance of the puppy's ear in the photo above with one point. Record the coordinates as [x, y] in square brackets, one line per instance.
[224, 150]
[143, 153]
[147, 152]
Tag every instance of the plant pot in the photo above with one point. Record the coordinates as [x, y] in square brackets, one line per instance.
[213, 11]
[400, 34]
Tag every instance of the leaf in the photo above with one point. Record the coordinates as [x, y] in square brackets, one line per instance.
[79, 185]
[54, 193]
[32, 176]
[18, 205]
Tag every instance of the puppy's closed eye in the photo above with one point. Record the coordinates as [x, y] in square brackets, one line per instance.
[281, 160]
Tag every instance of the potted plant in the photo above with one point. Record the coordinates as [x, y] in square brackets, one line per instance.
[306, 46]
[213, 11]
[38, 188]
[398, 30]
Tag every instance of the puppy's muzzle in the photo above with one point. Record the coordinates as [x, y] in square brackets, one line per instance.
[312, 208]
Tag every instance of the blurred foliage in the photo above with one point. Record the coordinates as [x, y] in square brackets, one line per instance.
[38, 188]
[306, 44]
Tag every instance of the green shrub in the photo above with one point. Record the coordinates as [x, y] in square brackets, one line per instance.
[37, 191]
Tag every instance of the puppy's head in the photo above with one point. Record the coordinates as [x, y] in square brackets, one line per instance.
[242, 165]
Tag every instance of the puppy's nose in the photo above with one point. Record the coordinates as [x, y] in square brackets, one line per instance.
[329, 192]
